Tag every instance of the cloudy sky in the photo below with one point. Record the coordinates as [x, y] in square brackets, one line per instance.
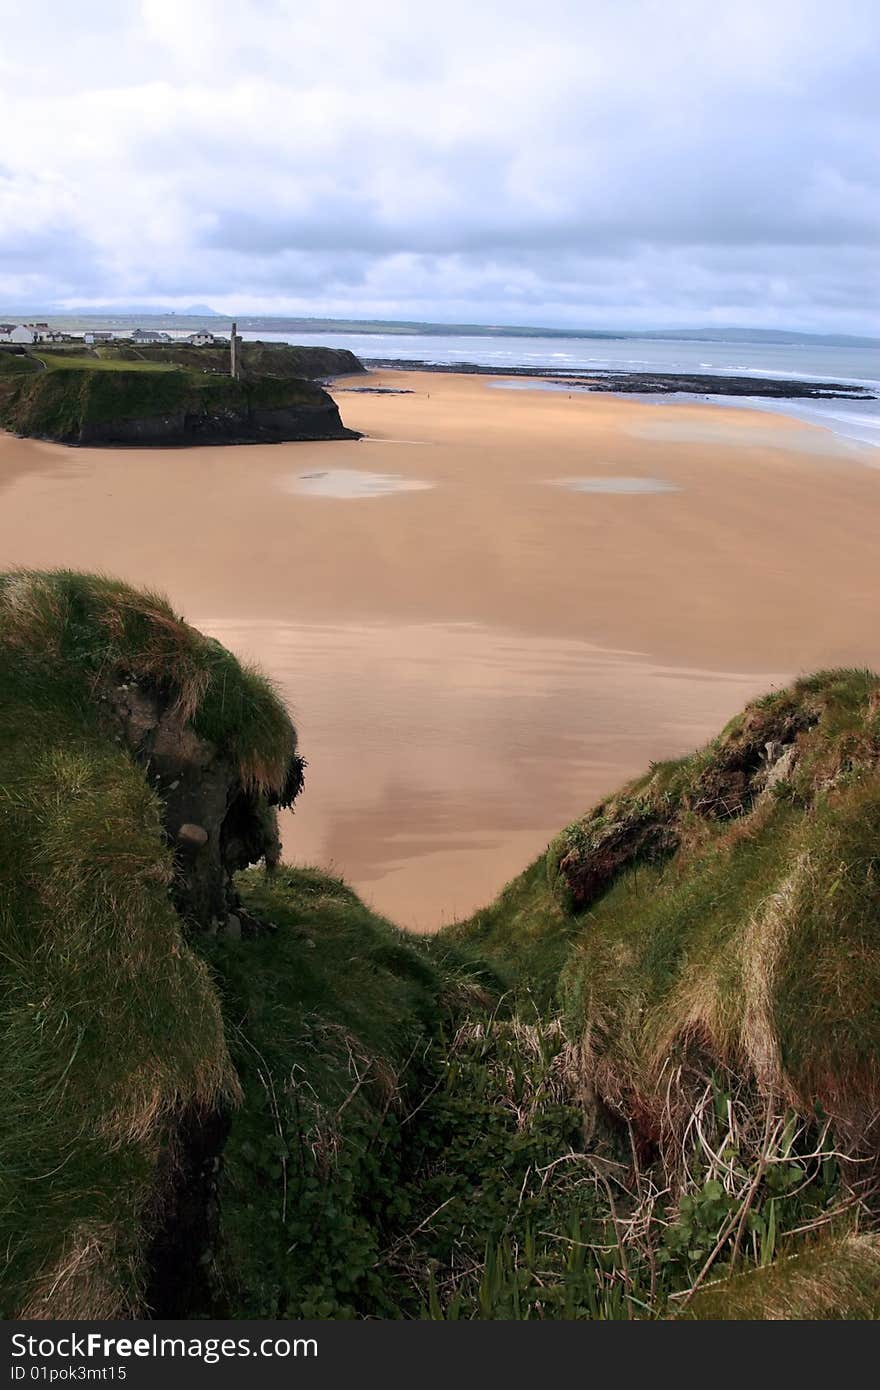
[629, 163]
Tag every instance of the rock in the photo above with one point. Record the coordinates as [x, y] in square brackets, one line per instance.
[781, 767]
[217, 825]
[233, 927]
[191, 835]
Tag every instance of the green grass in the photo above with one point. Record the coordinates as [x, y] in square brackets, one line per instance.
[329, 1019]
[116, 1025]
[68, 361]
[256, 359]
[111, 1025]
[713, 942]
[14, 363]
[526, 932]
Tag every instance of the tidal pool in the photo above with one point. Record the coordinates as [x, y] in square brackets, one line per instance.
[351, 483]
[630, 485]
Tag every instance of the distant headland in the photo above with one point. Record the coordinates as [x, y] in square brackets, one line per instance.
[145, 390]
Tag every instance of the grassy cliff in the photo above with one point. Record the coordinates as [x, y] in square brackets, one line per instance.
[111, 1023]
[642, 1083]
[723, 911]
[78, 399]
[138, 1043]
[711, 937]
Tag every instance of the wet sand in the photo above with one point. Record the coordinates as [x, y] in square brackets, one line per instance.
[473, 655]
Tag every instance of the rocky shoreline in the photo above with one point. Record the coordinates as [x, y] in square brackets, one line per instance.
[647, 383]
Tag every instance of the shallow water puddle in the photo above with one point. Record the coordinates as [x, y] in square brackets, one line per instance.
[623, 485]
[351, 483]
[742, 432]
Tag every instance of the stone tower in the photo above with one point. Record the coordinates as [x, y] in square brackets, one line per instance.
[234, 366]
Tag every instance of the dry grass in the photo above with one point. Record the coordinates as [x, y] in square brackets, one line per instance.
[755, 946]
[837, 1279]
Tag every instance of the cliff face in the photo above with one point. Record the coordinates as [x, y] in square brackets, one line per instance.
[156, 406]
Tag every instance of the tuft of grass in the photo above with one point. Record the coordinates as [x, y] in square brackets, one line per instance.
[70, 633]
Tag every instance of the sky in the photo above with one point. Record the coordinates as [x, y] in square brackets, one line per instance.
[570, 163]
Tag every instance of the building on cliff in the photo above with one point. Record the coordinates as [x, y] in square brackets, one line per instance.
[144, 335]
[19, 332]
[203, 339]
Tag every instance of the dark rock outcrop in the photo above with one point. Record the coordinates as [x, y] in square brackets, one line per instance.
[646, 383]
[647, 827]
[215, 824]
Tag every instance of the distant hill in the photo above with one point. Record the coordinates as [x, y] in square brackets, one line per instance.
[197, 315]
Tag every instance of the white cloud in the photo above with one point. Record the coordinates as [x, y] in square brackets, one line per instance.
[574, 162]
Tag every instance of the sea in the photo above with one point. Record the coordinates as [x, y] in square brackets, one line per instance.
[857, 420]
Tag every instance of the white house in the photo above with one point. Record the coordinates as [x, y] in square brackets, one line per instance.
[96, 335]
[201, 339]
[20, 333]
[143, 335]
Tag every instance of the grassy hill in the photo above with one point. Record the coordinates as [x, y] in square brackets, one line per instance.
[642, 1083]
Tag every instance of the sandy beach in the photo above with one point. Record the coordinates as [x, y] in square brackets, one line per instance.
[492, 609]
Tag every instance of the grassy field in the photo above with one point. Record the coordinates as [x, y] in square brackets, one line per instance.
[62, 361]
